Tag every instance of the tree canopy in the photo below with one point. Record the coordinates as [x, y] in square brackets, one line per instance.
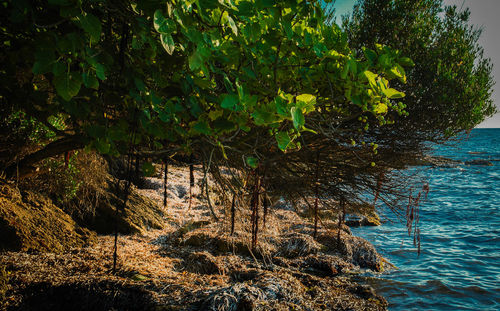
[449, 88]
[269, 88]
[173, 72]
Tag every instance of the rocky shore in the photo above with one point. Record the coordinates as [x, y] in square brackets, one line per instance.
[179, 258]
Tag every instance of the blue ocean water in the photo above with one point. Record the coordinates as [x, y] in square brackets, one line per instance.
[459, 265]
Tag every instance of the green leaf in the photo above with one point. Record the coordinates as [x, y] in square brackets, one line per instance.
[102, 145]
[319, 49]
[215, 114]
[384, 60]
[381, 108]
[100, 71]
[168, 43]
[232, 24]
[228, 84]
[252, 162]
[280, 104]
[287, 25]
[353, 66]
[297, 118]
[158, 20]
[245, 8]
[307, 98]
[91, 25]
[117, 132]
[202, 127]
[231, 102]
[59, 68]
[283, 140]
[224, 125]
[406, 61]
[164, 116]
[399, 72]
[345, 70]
[90, 81]
[371, 78]
[197, 59]
[263, 117]
[139, 84]
[306, 102]
[68, 85]
[370, 55]
[252, 32]
[393, 94]
[44, 62]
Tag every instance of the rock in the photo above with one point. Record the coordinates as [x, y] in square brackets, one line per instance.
[354, 220]
[359, 221]
[371, 221]
[364, 254]
[364, 291]
[479, 162]
[354, 249]
[31, 222]
[203, 263]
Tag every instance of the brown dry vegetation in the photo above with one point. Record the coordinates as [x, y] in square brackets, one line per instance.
[193, 263]
[31, 222]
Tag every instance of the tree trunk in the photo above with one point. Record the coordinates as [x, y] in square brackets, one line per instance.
[25, 166]
[191, 182]
[316, 190]
[255, 211]
[165, 183]
[233, 212]
[341, 218]
[265, 205]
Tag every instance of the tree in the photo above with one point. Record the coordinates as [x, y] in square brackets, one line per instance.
[156, 77]
[449, 87]
[264, 87]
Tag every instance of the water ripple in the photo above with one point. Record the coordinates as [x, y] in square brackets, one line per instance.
[459, 266]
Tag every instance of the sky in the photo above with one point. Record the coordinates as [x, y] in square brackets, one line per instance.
[484, 13]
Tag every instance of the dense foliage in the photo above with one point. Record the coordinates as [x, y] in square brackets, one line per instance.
[449, 88]
[271, 89]
[165, 74]
[267, 88]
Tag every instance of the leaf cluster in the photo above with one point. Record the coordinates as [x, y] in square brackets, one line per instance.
[257, 85]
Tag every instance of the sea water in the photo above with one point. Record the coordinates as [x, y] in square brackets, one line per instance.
[459, 264]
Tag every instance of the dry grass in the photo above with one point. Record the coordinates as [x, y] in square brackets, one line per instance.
[77, 188]
[194, 263]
